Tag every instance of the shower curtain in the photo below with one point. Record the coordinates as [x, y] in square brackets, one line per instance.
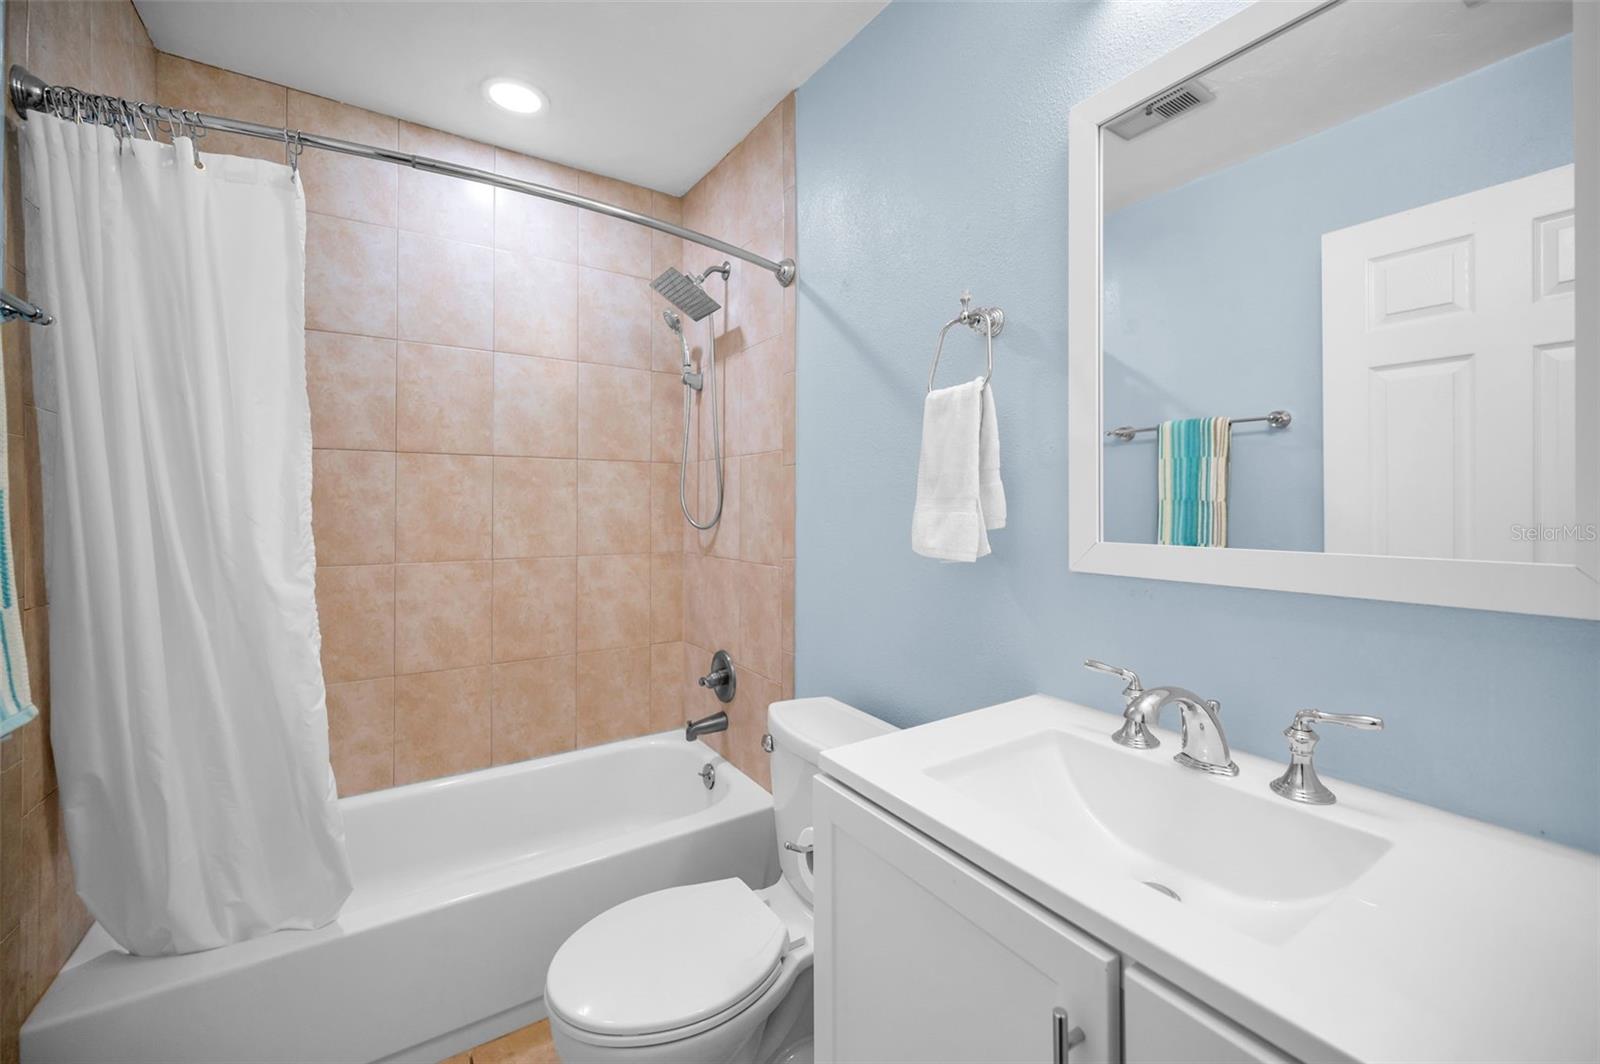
[188, 716]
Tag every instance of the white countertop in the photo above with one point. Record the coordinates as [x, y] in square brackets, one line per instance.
[1463, 941]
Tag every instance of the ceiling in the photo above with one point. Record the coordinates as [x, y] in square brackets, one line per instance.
[652, 92]
[1345, 61]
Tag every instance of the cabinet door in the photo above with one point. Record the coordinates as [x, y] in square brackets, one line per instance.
[923, 957]
[1163, 1025]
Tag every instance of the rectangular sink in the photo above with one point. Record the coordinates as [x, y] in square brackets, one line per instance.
[1251, 860]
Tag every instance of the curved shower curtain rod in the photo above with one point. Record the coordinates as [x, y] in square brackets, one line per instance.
[30, 93]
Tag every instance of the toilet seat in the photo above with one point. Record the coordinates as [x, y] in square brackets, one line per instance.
[666, 965]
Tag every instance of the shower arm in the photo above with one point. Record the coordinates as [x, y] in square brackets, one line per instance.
[31, 93]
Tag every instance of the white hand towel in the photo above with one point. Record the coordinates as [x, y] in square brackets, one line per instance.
[950, 522]
[991, 493]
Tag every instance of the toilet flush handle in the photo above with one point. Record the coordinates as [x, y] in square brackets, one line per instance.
[797, 848]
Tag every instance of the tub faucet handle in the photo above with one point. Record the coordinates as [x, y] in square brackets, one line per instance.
[721, 680]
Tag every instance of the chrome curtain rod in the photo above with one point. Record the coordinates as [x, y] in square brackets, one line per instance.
[30, 93]
[1278, 419]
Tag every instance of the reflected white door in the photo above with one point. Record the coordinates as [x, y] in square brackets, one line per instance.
[1447, 377]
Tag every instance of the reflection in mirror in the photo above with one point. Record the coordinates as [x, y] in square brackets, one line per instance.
[1367, 222]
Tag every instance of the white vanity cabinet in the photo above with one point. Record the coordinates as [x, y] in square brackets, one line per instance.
[1162, 1024]
[923, 957]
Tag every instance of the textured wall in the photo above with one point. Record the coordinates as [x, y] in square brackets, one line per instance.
[102, 47]
[1214, 289]
[929, 161]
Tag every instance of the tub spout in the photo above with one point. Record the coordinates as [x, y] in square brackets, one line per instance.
[693, 729]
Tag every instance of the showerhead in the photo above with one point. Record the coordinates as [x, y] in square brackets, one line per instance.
[674, 322]
[683, 293]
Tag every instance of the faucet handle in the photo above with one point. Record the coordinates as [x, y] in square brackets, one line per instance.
[1134, 686]
[1307, 717]
[1299, 782]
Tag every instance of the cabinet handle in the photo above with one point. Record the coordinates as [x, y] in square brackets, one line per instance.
[1066, 1035]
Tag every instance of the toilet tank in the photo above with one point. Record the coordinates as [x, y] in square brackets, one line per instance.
[801, 729]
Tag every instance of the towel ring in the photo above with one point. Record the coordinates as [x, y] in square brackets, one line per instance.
[987, 320]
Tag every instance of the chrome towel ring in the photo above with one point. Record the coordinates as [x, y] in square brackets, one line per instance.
[986, 320]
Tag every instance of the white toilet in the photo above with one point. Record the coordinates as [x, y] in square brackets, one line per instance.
[714, 973]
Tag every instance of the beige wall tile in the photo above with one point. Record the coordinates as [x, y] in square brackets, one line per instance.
[535, 507]
[535, 709]
[613, 413]
[197, 87]
[755, 301]
[613, 601]
[446, 291]
[666, 598]
[445, 399]
[355, 609]
[535, 608]
[666, 417]
[352, 506]
[747, 723]
[351, 383]
[363, 190]
[442, 615]
[535, 306]
[124, 61]
[614, 315]
[444, 507]
[666, 687]
[350, 277]
[711, 603]
[760, 620]
[535, 406]
[361, 734]
[528, 1045]
[666, 513]
[755, 398]
[766, 508]
[527, 225]
[613, 695]
[58, 42]
[445, 206]
[441, 723]
[613, 507]
[608, 243]
[786, 610]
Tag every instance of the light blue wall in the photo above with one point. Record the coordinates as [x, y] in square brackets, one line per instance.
[932, 155]
[1214, 289]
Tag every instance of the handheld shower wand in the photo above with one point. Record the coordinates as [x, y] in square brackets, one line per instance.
[688, 294]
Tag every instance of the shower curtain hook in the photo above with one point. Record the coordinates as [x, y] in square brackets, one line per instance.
[292, 147]
[197, 129]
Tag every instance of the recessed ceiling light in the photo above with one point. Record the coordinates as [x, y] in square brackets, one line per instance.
[515, 96]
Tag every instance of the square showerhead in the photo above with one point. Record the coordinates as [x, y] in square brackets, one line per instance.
[683, 293]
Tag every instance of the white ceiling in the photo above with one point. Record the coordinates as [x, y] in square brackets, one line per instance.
[1342, 62]
[653, 91]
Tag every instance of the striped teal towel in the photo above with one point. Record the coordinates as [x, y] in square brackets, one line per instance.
[16, 697]
[1192, 467]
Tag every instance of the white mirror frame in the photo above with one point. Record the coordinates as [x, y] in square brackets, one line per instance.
[1516, 587]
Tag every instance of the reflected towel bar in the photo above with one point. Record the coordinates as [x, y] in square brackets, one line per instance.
[16, 307]
[1278, 419]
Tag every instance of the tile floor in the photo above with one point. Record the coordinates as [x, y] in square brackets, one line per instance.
[530, 1045]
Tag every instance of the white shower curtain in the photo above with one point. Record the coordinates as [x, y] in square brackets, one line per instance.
[188, 714]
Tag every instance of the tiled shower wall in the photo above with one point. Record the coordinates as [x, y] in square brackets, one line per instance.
[739, 577]
[102, 47]
[496, 422]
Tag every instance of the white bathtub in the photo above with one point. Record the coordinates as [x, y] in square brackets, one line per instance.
[464, 889]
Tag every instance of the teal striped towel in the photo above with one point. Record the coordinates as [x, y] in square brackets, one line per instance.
[16, 697]
[1192, 469]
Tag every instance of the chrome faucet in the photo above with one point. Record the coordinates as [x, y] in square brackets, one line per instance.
[1299, 782]
[1205, 745]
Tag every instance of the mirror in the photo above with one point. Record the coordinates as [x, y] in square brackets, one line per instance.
[1337, 295]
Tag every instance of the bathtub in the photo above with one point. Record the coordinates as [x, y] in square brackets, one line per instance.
[464, 888]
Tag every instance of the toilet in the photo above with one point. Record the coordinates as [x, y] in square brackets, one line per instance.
[712, 973]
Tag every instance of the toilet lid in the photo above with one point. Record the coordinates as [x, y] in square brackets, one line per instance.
[666, 960]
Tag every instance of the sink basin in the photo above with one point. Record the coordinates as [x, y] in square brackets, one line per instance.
[1253, 861]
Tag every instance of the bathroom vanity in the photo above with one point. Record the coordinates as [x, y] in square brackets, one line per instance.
[1011, 884]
